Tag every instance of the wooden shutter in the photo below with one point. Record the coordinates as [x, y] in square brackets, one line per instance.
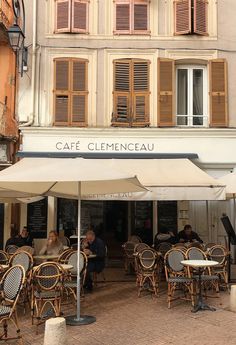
[140, 18]
[63, 16]
[122, 17]
[79, 96]
[140, 104]
[182, 15]
[165, 92]
[218, 93]
[61, 91]
[122, 93]
[200, 17]
[80, 16]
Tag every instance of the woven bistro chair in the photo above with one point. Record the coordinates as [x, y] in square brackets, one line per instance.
[135, 239]
[140, 246]
[147, 272]
[177, 276]
[11, 249]
[209, 279]
[208, 246]
[70, 283]
[27, 249]
[11, 285]
[65, 241]
[26, 261]
[4, 258]
[220, 254]
[128, 248]
[63, 258]
[47, 282]
[163, 248]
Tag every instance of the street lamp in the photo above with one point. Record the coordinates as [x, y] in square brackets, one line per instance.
[16, 37]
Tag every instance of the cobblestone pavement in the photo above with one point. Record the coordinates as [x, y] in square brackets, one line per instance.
[125, 319]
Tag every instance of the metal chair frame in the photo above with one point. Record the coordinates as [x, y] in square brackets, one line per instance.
[177, 276]
[9, 300]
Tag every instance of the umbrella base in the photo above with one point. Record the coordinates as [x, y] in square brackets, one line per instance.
[83, 320]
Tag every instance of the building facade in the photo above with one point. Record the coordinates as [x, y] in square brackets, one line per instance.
[8, 120]
[133, 77]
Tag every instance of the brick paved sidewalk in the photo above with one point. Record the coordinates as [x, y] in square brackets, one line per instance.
[125, 319]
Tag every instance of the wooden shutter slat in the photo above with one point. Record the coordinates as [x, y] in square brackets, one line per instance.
[200, 17]
[182, 14]
[61, 109]
[62, 75]
[218, 93]
[165, 92]
[140, 20]
[79, 16]
[141, 109]
[141, 75]
[79, 75]
[63, 16]
[121, 112]
[79, 109]
[122, 18]
[122, 76]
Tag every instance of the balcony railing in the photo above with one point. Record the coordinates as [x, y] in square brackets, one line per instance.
[6, 13]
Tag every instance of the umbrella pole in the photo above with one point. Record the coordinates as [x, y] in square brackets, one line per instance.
[78, 320]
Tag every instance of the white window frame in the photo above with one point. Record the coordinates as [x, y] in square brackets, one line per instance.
[190, 115]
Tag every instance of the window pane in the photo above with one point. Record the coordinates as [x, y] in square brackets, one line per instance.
[198, 120]
[182, 120]
[197, 92]
[182, 92]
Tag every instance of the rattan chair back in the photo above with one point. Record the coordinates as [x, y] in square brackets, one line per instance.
[27, 249]
[11, 249]
[47, 276]
[72, 259]
[65, 241]
[140, 246]
[218, 253]
[22, 258]
[195, 253]
[173, 260]
[134, 239]
[147, 258]
[12, 283]
[129, 249]
[63, 258]
[3, 257]
[164, 247]
[209, 245]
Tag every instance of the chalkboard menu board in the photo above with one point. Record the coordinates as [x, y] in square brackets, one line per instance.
[167, 216]
[37, 216]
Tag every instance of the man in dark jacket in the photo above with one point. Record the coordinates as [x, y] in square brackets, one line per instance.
[188, 235]
[22, 239]
[94, 245]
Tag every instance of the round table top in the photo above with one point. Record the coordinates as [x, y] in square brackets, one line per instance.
[199, 263]
[65, 267]
[45, 257]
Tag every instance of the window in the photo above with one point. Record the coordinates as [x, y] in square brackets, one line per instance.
[194, 90]
[131, 17]
[191, 92]
[70, 92]
[191, 17]
[71, 16]
[131, 93]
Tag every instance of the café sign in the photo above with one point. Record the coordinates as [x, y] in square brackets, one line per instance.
[92, 145]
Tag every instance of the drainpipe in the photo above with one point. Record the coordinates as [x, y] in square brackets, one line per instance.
[31, 120]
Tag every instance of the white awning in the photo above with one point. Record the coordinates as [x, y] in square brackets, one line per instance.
[165, 179]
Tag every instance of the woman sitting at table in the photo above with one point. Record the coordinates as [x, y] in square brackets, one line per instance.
[53, 246]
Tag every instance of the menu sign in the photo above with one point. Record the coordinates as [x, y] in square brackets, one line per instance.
[37, 215]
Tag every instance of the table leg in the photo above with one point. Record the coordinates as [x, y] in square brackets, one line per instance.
[200, 305]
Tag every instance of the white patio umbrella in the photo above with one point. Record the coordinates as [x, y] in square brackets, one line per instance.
[66, 177]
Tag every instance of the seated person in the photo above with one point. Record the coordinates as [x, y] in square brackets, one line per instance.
[188, 235]
[164, 236]
[53, 246]
[22, 239]
[93, 245]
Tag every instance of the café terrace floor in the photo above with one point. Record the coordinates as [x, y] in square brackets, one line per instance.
[125, 319]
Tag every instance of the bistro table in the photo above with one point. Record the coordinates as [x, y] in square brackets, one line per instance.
[45, 257]
[200, 265]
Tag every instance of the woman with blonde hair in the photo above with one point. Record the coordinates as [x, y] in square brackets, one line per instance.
[53, 245]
